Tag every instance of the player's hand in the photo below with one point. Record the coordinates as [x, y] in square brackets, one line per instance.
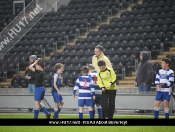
[93, 97]
[135, 84]
[157, 87]
[29, 77]
[59, 93]
[60, 77]
[103, 89]
[73, 95]
[108, 86]
[37, 60]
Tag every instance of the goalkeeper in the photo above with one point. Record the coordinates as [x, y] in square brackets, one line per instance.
[107, 82]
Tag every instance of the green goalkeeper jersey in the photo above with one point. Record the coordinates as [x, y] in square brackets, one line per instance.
[106, 77]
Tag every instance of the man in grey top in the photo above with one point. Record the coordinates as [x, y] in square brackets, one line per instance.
[144, 74]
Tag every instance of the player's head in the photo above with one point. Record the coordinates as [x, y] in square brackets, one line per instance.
[32, 58]
[166, 62]
[59, 67]
[91, 67]
[98, 50]
[40, 65]
[102, 65]
[84, 70]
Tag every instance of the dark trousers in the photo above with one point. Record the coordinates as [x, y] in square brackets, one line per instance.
[108, 103]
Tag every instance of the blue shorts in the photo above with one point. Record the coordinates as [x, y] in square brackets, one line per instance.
[162, 96]
[39, 93]
[97, 100]
[56, 97]
[87, 102]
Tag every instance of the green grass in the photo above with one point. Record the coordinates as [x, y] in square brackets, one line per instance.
[74, 116]
[83, 128]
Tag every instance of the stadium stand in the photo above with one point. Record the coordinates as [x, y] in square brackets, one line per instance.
[6, 11]
[123, 29]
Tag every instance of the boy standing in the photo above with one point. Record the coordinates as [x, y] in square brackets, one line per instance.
[164, 80]
[86, 92]
[57, 80]
[39, 89]
[98, 93]
[107, 82]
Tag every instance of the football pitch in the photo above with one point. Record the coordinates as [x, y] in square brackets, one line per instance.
[83, 128]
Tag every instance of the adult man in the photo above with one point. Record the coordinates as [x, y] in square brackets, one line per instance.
[99, 55]
[30, 75]
[107, 82]
[144, 74]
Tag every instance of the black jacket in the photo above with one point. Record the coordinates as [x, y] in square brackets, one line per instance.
[32, 74]
[145, 70]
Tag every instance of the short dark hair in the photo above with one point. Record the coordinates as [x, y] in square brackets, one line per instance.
[90, 66]
[101, 63]
[167, 61]
[85, 69]
[58, 66]
[99, 47]
[41, 63]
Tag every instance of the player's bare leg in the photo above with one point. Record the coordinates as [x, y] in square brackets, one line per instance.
[166, 108]
[81, 112]
[156, 109]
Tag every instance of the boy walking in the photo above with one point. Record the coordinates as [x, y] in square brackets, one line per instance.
[57, 80]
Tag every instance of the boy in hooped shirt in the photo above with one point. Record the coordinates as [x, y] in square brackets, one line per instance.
[164, 80]
[98, 92]
[86, 92]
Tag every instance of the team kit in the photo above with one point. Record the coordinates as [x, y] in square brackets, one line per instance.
[95, 89]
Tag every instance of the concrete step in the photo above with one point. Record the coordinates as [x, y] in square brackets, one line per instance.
[107, 22]
[156, 61]
[72, 43]
[134, 73]
[126, 82]
[118, 14]
[172, 48]
[161, 56]
[5, 83]
[130, 78]
[21, 72]
[48, 57]
[169, 53]
[126, 86]
[60, 50]
[95, 30]
[140, 2]
[9, 80]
